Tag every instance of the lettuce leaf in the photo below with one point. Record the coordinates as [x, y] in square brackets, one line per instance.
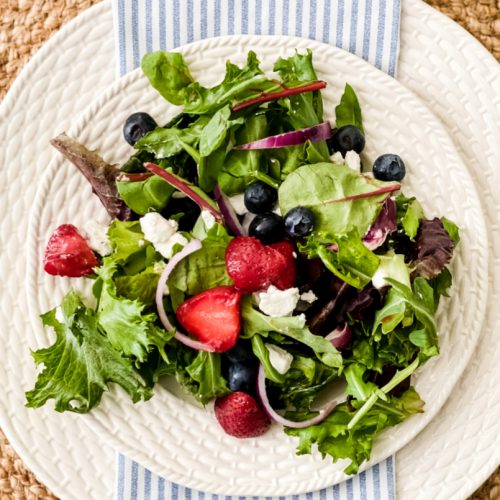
[168, 73]
[128, 329]
[333, 437]
[352, 262]
[205, 268]
[81, 362]
[293, 327]
[327, 189]
[348, 112]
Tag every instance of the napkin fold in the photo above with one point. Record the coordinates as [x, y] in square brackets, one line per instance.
[367, 28]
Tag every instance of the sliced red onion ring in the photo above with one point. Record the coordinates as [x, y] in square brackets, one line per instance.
[261, 388]
[320, 132]
[340, 337]
[228, 212]
[191, 247]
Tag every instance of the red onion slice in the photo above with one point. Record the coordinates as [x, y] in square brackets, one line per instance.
[190, 248]
[340, 337]
[228, 212]
[261, 388]
[320, 132]
[384, 224]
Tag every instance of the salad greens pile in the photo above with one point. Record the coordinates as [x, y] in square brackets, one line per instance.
[385, 293]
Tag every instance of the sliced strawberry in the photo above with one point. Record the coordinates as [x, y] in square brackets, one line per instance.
[240, 416]
[253, 266]
[288, 275]
[213, 317]
[68, 253]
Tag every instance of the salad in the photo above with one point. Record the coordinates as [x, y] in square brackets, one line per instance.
[252, 257]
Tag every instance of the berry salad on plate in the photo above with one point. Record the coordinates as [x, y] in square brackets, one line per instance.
[255, 254]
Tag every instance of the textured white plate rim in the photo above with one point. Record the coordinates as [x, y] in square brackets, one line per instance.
[140, 456]
[482, 462]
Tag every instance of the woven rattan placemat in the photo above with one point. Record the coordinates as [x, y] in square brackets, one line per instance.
[26, 24]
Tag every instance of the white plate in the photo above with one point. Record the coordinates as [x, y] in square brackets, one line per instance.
[394, 122]
[454, 454]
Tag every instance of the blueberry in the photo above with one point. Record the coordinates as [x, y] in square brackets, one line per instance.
[299, 222]
[136, 126]
[260, 197]
[268, 228]
[240, 353]
[242, 377]
[389, 167]
[345, 139]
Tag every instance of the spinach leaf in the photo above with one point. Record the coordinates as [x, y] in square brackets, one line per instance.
[240, 167]
[351, 261]
[348, 112]
[80, 363]
[144, 196]
[340, 198]
[168, 74]
[167, 142]
[306, 109]
[451, 229]
[216, 130]
[262, 352]
[205, 371]
[239, 84]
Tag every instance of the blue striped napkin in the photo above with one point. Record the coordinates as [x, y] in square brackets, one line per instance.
[367, 28]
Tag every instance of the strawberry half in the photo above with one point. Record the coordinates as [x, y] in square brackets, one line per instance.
[213, 317]
[240, 416]
[253, 266]
[288, 274]
[68, 253]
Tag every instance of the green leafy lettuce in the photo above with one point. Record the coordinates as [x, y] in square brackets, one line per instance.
[348, 112]
[327, 189]
[81, 362]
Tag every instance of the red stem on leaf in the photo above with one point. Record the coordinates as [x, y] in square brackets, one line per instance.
[138, 177]
[184, 187]
[272, 96]
[376, 192]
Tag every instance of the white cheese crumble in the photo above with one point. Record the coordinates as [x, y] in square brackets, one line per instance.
[208, 219]
[162, 233]
[238, 203]
[280, 359]
[308, 297]
[178, 195]
[278, 303]
[353, 161]
[141, 242]
[277, 211]
[97, 236]
[337, 158]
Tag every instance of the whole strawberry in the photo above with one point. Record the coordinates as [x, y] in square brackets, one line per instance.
[68, 253]
[240, 415]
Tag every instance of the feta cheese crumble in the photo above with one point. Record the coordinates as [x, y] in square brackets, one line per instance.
[208, 219]
[97, 236]
[353, 161]
[280, 359]
[337, 158]
[278, 303]
[308, 297]
[238, 203]
[162, 233]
